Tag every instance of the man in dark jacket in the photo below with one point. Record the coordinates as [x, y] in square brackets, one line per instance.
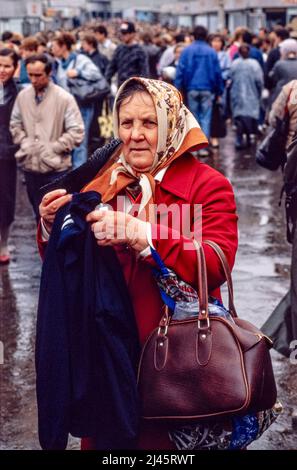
[129, 59]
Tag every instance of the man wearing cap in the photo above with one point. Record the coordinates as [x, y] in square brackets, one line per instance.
[129, 58]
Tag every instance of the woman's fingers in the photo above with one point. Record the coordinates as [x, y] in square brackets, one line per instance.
[52, 195]
[51, 203]
[100, 235]
[97, 227]
[96, 215]
[52, 207]
[56, 204]
[103, 224]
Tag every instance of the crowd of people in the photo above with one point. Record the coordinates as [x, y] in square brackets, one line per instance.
[172, 92]
[240, 75]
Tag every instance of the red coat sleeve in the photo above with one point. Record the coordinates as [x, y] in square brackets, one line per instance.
[219, 224]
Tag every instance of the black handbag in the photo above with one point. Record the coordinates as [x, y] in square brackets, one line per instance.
[271, 153]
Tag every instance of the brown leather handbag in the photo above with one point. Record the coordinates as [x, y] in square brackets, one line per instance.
[205, 367]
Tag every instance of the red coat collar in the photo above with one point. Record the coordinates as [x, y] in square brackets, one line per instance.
[179, 177]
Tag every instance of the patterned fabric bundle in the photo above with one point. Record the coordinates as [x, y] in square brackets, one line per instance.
[235, 434]
[179, 296]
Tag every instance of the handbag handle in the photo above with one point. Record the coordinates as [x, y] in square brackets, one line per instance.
[202, 294]
[202, 283]
[203, 288]
[221, 255]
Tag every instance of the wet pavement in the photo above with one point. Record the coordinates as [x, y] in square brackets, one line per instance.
[261, 278]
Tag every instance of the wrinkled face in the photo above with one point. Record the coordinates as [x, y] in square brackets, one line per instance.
[37, 75]
[138, 129]
[6, 68]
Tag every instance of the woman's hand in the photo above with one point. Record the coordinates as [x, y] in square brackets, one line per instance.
[111, 228]
[72, 73]
[50, 204]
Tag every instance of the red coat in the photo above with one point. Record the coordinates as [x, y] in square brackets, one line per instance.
[187, 181]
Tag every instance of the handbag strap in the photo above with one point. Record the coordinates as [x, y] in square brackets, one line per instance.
[202, 282]
[202, 286]
[227, 272]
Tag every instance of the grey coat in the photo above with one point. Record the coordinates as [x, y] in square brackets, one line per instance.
[282, 73]
[246, 88]
[82, 64]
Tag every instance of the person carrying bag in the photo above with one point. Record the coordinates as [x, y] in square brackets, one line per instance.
[155, 166]
[271, 153]
[282, 323]
[88, 91]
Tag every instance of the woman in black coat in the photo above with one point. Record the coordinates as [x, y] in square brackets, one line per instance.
[8, 93]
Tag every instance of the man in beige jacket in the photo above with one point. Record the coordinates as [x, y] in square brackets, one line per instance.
[47, 125]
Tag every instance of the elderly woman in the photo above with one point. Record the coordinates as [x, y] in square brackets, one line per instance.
[156, 166]
[246, 88]
[8, 93]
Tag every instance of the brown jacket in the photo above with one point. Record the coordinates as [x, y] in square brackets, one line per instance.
[46, 132]
[286, 102]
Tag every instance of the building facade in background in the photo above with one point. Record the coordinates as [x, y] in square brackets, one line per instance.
[28, 17]
[251, 13]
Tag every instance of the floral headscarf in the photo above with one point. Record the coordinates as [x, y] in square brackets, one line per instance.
[178, 132]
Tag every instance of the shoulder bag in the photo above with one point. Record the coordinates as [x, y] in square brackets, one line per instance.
[207, 366]
[271, 153]
[87, 91]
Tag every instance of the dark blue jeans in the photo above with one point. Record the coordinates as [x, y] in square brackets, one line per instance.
[200, 104]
